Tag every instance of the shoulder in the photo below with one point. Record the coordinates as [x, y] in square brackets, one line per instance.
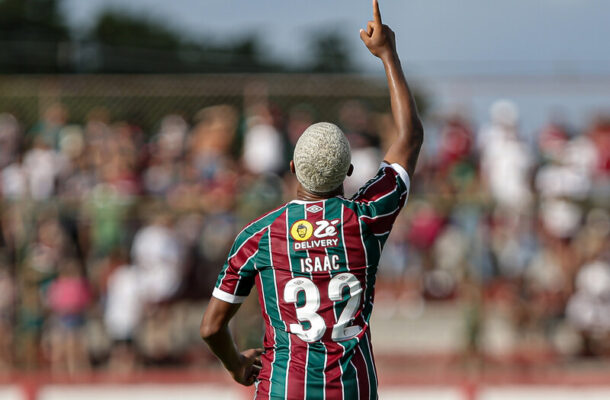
[390, 178]
[397, 170]
[261, 223]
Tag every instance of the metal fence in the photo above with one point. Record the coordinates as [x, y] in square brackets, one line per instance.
[146, 98]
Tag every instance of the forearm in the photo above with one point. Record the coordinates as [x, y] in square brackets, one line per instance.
[405, 147]
[215, 331]
[223, 346]
[404, 109]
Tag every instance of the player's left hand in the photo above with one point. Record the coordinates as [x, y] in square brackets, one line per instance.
[250, 366]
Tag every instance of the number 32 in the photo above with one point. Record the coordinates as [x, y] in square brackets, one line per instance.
[308, 312]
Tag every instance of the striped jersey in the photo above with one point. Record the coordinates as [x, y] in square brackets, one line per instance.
[314, 265]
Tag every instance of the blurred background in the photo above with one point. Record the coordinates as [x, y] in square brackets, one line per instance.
[137, 140]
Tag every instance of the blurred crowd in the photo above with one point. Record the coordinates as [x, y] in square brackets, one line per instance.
[111, 238]
[516, 225]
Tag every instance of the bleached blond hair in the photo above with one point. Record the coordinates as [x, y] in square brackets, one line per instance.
[322, 158]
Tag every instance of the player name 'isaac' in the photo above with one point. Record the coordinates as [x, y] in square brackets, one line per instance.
[320, 264]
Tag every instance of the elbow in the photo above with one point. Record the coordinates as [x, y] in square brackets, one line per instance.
[417, 133]
[208, 330]
[216, 319]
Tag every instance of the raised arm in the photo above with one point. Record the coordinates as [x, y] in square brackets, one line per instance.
[380, 41]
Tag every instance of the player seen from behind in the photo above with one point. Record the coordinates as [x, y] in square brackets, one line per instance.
[314, 260]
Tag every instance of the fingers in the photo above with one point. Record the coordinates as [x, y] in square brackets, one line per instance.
[251, 364]
[250, 379]
[364, 36]
[253, 371]
[376, 12]
[253, 353]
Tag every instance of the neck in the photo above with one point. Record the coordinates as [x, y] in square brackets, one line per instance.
[304, 194]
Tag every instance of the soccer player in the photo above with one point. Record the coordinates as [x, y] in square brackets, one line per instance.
[314, 260]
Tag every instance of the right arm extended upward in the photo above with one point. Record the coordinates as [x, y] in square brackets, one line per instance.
[379, 39]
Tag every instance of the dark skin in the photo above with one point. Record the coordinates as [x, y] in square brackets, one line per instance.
[243, 367]
[380, 40]
[304, 194]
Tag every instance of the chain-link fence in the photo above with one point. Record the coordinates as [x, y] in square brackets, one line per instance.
[144, 99]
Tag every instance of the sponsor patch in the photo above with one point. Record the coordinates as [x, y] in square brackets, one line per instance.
[307, 237]
[301, 230]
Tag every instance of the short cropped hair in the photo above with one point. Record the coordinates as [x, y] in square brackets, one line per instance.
[322, 158]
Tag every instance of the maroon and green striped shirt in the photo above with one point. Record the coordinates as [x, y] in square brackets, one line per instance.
[314, 265]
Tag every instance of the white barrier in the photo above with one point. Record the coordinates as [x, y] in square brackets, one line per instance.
[544, 392]
[139, 392]
[211, 392]
[217, 391]
[423, 393]
[11, 392]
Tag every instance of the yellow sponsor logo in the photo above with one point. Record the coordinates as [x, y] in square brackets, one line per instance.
[301, 230]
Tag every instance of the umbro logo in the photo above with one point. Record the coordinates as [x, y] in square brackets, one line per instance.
[314, 209]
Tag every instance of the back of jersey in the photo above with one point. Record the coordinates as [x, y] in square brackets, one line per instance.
[314, 265]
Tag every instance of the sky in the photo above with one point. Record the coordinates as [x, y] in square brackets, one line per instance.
[434, 37]
[549, 56]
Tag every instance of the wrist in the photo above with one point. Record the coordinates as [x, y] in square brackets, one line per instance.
[234, 366]
[388, 56]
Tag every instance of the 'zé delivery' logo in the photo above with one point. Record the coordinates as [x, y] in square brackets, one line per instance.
[301, 230]
[325, 234]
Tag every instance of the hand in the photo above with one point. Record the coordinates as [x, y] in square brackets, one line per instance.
[250, 366]
[378, 38]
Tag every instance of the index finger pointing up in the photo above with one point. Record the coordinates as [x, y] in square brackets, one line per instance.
[376, 12]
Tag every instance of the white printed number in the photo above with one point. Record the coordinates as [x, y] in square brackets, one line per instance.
[341, 330]
[308, 312]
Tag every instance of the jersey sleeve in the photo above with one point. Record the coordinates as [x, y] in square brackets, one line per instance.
[237, 275]
[380, 200]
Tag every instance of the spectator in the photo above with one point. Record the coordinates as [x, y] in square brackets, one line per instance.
[589, 307]
[122, 316]
[356, 122]
[14, 184]
[506, 162]
[47, 131]
[10, 137]
[263, 144]
[157, 258]
[7, 304]
[42, 167]
[68, 297]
